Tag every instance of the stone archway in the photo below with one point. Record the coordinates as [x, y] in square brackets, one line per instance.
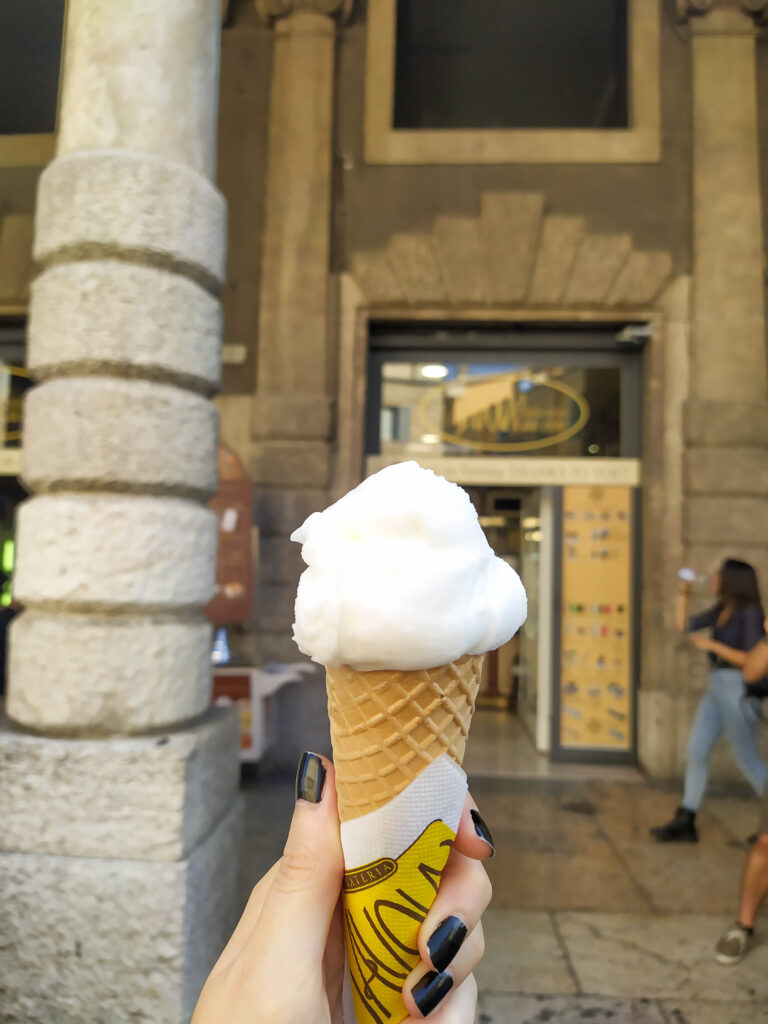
[515, 260]
[514, 253]
[520, 262]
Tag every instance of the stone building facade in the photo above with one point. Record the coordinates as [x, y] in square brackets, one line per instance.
[671, 236]
[336, 224]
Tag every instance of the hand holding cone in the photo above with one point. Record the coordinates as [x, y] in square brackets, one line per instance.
[371, 607]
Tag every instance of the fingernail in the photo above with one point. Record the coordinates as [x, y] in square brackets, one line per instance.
[445, 941]
[310, 778]
[482, 830]
[430, 990]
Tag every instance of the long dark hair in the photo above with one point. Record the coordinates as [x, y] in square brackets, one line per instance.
[738, 584]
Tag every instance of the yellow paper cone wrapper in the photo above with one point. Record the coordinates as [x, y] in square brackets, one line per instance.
[398, 744]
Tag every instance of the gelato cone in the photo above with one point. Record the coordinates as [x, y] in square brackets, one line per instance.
[400, 579]
[387, 727]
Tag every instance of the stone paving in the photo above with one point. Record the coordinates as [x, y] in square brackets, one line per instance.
[590, 919]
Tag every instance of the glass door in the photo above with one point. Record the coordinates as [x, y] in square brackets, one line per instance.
[536, 407]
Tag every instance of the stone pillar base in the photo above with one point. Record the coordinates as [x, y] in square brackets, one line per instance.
[118, 872]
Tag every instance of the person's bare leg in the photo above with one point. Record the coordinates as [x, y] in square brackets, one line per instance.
[734, 943]
[755, 885]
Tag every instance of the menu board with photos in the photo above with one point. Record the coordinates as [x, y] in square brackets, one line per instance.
[596, 643]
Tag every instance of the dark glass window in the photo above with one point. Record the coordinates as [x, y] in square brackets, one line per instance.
[30, 57]
[484, 64]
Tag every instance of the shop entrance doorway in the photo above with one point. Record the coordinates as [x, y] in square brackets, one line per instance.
[563, 689]
[514, 691]
[500, 514]
[542, 429]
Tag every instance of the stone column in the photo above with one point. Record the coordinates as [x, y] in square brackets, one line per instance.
[119, 836]
[726, 461]
[725, 422]
[292, 412]
[728, 350]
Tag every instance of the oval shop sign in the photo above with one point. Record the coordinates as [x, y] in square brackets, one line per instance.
[511, 412]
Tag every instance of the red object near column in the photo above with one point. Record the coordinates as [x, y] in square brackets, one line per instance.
[233, 504]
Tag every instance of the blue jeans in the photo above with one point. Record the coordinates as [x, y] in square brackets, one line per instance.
[723, 709]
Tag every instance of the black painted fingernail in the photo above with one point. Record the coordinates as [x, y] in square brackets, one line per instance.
[430, 990]
[482, 830]
[310, 778]
[445, 941]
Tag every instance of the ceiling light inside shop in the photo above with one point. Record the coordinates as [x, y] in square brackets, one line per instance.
[534, 536]
[430, 438]
[530, 522]
[434, 371]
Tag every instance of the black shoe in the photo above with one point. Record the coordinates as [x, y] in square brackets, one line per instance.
[682, 828]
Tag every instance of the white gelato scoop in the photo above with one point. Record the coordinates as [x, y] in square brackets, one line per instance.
[400, 576]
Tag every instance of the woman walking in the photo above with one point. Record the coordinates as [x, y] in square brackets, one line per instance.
[735, 625]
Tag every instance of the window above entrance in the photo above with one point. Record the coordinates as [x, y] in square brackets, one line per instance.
[486, 64]
[491, 81]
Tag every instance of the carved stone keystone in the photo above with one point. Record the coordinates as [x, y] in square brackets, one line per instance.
[758, 9]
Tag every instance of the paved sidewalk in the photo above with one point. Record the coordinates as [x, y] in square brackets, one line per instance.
[591, 921]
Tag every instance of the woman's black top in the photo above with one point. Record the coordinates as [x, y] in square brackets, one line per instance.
[742, 629]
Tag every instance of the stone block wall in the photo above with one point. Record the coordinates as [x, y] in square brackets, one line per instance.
[726, 483]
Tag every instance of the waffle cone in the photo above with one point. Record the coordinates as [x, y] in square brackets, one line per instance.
[388, 726]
